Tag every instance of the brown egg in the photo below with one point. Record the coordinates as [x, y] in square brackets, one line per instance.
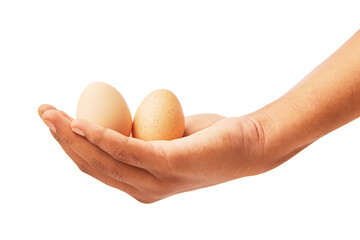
[102, 104]
[159, 117]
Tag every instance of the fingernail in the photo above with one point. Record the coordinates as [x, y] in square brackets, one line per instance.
[78, 131]
[50, 125]
[40, 113]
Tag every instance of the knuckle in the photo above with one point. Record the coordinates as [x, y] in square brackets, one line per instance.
[118, 176]
[120, 154]
[56, 137]
[99, 166]
[66, 140]
[98, 137]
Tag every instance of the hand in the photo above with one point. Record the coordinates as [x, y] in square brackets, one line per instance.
[214, 150]
[217, 149]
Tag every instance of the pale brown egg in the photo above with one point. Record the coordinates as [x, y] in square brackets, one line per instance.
[159, 117]
[102, 104]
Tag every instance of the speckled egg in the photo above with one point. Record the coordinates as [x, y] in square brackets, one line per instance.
[159, 117]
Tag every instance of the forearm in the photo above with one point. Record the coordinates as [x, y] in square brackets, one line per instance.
[326, 99]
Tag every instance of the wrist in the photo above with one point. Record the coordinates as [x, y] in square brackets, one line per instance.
[284, 131]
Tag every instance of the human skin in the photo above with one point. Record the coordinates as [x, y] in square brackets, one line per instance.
[216, 149]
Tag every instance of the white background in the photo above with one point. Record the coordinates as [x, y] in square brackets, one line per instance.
[225, 57]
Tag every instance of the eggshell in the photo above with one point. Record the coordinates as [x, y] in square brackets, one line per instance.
[102, 104]
[159, 117]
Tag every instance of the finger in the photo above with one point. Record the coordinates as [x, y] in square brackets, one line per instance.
[195, 123]
[124, 149]
[86, 168]
[94, 156]
[66, 115]
[44, 107]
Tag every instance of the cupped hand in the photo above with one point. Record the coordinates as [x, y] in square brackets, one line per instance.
[213, 150]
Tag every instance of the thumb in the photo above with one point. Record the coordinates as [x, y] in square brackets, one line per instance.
[198, 122]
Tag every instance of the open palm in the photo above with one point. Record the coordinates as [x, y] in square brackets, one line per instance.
[213, 150]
